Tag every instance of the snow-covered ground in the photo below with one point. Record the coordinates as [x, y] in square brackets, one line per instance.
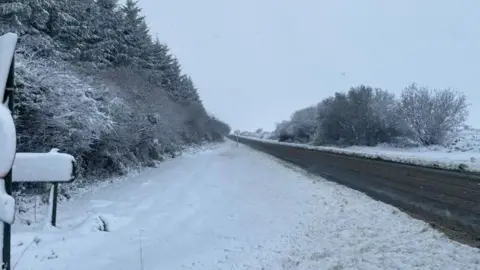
[230, 207]
[465, 152]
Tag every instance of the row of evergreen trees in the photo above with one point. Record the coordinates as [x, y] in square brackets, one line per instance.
[94, 83]
[98, 33]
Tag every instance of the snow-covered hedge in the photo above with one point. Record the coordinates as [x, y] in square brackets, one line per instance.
[93, 83]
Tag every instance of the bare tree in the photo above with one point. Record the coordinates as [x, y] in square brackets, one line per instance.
[433, 115]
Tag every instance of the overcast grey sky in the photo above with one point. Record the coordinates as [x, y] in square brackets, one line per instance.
[257, 61]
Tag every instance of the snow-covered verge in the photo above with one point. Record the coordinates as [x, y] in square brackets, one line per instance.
[462, 154]
[32, 208]
[230, 207]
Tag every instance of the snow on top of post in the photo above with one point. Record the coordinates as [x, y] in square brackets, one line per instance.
[43, 167]
[8, 141]
[8, 43]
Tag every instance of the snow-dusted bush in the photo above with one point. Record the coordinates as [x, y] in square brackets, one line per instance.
[300, 128]
[368, 116]
[55, 107]
[433, 115]
[362, 116]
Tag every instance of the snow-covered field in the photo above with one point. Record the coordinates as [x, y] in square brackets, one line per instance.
[229, 207]
[465, 152]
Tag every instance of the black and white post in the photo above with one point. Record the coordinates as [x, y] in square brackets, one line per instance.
[8, 141]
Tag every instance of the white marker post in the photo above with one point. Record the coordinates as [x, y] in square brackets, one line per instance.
[8, 141]
[8, 144]
[236, 133]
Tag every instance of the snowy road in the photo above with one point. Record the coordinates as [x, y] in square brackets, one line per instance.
[234, 208]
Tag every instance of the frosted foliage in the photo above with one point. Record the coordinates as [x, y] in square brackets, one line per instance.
[433, 115]
[369, 116]
[92, 82]
[69, 104]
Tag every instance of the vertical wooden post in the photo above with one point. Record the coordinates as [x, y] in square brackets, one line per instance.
[54, 205]
[7, 229]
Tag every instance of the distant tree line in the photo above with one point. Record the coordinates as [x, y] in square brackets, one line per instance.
[369, 116]
[94, 83]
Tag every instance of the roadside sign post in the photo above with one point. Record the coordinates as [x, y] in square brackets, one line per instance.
[53, 220]
[8, 143]
[50, 167]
